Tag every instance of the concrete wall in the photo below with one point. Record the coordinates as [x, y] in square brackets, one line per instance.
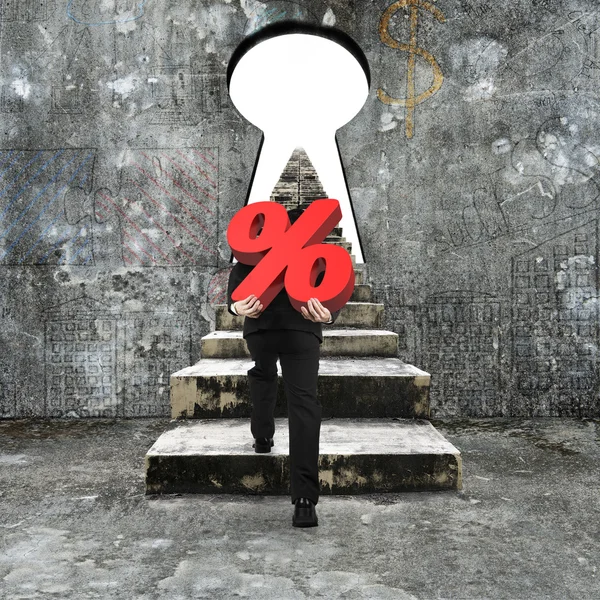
[122, 162]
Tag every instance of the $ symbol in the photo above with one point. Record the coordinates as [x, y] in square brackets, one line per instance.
[411, 100]
[291, 255]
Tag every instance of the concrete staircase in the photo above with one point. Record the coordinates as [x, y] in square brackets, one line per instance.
[375, 436]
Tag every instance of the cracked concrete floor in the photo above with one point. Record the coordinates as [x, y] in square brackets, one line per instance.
[75, 522]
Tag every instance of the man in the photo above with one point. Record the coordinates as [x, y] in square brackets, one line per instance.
[280, 331]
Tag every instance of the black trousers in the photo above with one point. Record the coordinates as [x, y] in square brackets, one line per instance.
[298, 353]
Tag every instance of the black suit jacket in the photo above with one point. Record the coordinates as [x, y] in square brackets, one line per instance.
[280, 314]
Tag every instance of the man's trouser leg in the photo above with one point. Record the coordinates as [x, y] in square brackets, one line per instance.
[299, 356]
[262, 379]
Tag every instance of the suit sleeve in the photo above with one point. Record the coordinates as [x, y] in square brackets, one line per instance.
[334, 315]
[237, 275]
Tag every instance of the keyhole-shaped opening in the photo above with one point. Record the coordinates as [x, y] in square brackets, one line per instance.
[299, 84]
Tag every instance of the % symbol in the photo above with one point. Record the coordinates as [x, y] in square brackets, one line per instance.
[291, 255]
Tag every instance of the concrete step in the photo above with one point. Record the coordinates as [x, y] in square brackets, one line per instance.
[363, 268]
[354, 314]
[339, 240]
[336, 342]
[346, 245]
[360, 272]
[356, 456]
[347, 387]
[362, 293]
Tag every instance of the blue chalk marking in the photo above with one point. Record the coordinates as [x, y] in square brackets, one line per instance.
[11, 164]
[277, 18]
[31, 180]
[26, 209]
[55, 246]
[40, 238]
[8, 156]
[49, 203]
[87, 260]
[19, 174]
[140, 6]
[78, 251]
[60, 260]
[265, 18]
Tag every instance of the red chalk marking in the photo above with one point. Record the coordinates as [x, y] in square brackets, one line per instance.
[132, 252]
[198, 168]
[173, 216]
[136, 243]
[186, 174]
[204, 158]
[165, 172]
[136, 227]
[140, 168]
[149, 217]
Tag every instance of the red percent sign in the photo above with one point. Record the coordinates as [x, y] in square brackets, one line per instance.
[291, 255]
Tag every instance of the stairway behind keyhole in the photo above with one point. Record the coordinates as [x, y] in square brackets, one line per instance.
[375, 433]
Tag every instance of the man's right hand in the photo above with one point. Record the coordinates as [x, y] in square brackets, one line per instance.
[250, 307]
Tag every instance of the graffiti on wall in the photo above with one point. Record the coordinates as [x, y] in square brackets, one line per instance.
[100, 362]
[412, 99]
[155, 345]
[105, 13]
[555, 323]
[33, 224]
[552, 178]
[167, 208]
[460, 333]
[81, 360]
[166, 213]
[272, 12]
[516, 187]
[23, 10]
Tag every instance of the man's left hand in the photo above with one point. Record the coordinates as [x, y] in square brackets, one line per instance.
[316, 312]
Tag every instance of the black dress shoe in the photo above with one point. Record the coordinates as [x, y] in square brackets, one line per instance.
[305, 513]
[262, 444]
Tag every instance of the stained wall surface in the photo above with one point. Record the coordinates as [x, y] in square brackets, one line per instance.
[472, 168]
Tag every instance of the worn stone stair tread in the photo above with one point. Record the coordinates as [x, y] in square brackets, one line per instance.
[350, 302]
[213, 437]
[330, 366]
[348, 387]
[229, 343]
[232, 333]
[362, 292]
[356, 456]
[362, 315]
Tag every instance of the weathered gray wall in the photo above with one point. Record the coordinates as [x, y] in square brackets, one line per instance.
[123, 161]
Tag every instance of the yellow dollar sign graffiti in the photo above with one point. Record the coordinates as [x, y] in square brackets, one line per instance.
[411, 100]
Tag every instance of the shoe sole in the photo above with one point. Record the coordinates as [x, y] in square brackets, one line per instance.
[262, 448]
[305, 523]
